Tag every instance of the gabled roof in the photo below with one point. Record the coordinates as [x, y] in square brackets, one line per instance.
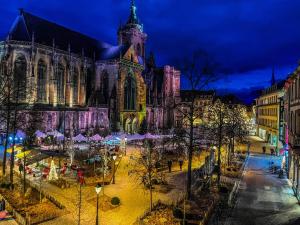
[45, 32]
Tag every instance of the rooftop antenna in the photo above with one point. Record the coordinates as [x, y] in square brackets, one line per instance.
[21, 11]
[273, 80]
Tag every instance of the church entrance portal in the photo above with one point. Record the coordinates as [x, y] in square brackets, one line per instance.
[131, 125]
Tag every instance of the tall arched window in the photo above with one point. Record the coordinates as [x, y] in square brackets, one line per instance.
[89, 83]
[75, 86]
[130, 92]
[104, 86]
[20, 69]
[60, 80]
[41, 82]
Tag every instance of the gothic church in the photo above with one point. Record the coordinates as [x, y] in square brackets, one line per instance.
[81, 84]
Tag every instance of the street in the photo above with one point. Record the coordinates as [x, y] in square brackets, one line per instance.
[263, 198]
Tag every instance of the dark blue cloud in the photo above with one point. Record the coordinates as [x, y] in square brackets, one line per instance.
[246, 37]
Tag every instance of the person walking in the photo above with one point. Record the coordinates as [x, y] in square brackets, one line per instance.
[170, 165]
[264, 149]
[180, 163]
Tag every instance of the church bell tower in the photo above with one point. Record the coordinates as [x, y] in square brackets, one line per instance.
[132, 33]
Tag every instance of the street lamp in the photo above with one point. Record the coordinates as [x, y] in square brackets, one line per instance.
[125, 145]
[98, 190]
[114, 159]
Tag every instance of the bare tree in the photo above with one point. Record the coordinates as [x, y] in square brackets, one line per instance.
[12, 91]
[145, 167]
[199, 72]
[237, 127]
[218, 122]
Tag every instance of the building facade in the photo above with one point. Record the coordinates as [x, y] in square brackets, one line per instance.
[292, 129]
[269, 117]
[80, 83]
[202, 101]
[163, 92]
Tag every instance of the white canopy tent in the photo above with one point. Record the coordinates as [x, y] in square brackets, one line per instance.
[40, 134]
[96, 138]
[80, 138]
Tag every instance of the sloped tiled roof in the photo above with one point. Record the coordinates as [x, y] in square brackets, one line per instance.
[46, 32]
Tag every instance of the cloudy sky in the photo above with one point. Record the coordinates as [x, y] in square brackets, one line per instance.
[247, 37]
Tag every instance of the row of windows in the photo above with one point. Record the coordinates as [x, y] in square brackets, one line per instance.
[268, 100]
[202, 103]
[294, 122]
[20, 78]
[268, 123]
[294, 90]
[268, 112]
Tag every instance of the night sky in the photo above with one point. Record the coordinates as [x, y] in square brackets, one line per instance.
[246, 37]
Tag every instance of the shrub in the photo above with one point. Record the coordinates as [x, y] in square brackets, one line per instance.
[115, 201]
[5, 185]
[177, 213]
[155, 182]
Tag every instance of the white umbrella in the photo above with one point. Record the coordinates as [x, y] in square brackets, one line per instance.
[55, 133]
[150, 136]
[135, 137]
[40, 134]
[80, 138]
[96, 137]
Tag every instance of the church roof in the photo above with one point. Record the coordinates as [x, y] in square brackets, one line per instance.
[45, 32]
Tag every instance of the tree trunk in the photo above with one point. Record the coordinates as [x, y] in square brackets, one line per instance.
[12, 156]
[24, 175]
[6, 142]
[220, 145]
[7, 133]
[228, 153]
[190, 154]
[150, 178]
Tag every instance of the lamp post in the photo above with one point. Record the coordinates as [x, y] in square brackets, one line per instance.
[114, 169]
[98, 190]
[125, 145]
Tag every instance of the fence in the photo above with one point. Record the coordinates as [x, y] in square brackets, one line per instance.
[19, 218]
[44, 193]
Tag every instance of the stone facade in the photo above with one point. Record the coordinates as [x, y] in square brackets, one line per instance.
[163, 92]
[269, 117]
[292, 129]
[81, 84]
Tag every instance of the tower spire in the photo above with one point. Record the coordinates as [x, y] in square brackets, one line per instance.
[133, 17]
[273, 81]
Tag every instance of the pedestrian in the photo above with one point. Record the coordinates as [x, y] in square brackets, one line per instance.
[264, 149]
[180, 164]
[272, 151]
[170, 165]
